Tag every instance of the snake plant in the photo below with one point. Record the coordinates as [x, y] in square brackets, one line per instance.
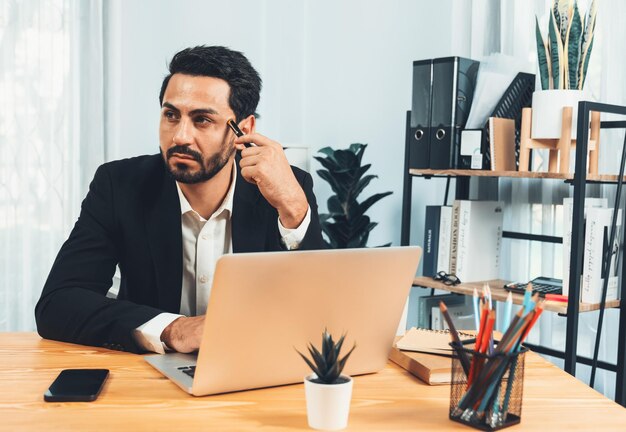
[346, 224]
[564, 54]
[326, 364]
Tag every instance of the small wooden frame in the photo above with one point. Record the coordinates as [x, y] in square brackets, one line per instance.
[560, 147]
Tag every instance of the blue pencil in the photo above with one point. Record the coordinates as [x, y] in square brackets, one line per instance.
[527, 297]
[476, 313]
[506, 318]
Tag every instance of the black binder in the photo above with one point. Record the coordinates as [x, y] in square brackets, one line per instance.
[453, 84]
[419, 130]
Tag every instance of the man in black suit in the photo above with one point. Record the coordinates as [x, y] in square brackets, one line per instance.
[165, 219]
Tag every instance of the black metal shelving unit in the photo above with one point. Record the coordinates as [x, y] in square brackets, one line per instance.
[579, 182]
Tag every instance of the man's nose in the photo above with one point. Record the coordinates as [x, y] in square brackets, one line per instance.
[184, 132]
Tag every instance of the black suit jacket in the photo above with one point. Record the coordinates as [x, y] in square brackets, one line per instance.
[131, 217]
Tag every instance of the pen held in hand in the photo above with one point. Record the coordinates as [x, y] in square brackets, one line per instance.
[233, 126]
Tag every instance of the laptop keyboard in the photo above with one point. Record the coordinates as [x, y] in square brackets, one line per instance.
[189, 370]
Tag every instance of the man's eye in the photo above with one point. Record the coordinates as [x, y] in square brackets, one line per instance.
[170, 115]
[202, 120]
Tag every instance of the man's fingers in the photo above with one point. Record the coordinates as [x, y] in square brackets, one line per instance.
[249, 160]
[258, 139]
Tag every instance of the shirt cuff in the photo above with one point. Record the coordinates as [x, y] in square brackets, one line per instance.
[148, 335]
[291, 238]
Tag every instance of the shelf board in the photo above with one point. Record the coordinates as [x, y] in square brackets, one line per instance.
[498, 293]
[605, 178]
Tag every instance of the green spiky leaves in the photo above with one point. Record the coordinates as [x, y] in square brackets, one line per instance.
[563, 56]
[326, 364]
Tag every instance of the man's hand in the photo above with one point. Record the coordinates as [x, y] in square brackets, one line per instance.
[184, 334]
[266, 166]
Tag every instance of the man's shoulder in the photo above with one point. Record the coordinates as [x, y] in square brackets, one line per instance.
[134, 176]
[135, 165]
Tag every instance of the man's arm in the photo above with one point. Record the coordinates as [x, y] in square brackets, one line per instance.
[73, 306]
[289, 190]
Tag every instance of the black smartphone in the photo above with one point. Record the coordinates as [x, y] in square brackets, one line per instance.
[76, 385]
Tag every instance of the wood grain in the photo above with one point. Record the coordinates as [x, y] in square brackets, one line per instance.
[136, 398]
[498, 293]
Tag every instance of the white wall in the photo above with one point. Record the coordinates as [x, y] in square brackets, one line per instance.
[334, 72]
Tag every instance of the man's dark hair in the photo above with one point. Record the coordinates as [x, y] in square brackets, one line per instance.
[220, 62]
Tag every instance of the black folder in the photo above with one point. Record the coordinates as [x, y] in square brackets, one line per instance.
[453, 84]
[418, 134]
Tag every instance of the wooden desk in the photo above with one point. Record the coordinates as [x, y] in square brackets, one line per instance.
[136, 397]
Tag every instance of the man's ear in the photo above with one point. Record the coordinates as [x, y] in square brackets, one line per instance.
[248, 125]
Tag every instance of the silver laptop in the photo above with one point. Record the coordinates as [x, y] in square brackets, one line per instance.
[264, 306]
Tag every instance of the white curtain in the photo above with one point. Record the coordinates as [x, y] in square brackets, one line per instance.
[535, 206]
[51, 138]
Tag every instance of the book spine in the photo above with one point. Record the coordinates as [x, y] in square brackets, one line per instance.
[567, 241]
[592, 262]
[445, 229]
[463, 248]
[454, 236]
[431, 240]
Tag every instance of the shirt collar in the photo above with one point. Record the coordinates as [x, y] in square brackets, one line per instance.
[226, 205]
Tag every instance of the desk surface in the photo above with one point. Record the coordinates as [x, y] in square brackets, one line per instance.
[136, 397]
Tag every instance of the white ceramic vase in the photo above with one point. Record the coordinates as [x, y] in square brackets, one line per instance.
[327, 405]
[548, 109]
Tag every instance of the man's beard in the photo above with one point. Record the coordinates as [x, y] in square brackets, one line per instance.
[208, 168]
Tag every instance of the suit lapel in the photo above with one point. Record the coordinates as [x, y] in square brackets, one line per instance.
[163, 226]
[249, 223]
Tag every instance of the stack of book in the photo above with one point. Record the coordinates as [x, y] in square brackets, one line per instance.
[464, 239]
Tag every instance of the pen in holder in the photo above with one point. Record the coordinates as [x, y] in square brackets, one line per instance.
[489, 395]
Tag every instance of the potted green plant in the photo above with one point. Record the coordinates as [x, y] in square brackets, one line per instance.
[346, 225]
[563, 58]
[328, 392]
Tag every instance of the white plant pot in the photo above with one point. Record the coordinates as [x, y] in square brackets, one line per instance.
[327, 405]
[548, 109]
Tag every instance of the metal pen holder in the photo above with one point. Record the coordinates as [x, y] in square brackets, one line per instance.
[493, 400]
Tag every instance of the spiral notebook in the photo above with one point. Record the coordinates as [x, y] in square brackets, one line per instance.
[429, 341]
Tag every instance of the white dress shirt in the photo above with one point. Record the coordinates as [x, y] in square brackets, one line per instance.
[204, 241]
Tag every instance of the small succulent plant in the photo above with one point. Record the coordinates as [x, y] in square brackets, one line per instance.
[327, 365]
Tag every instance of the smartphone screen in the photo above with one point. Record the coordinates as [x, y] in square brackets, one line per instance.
[76, 385]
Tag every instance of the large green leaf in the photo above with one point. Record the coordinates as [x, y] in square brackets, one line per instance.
[328, 151]
[357, 148]
[556, 50]
[365, 205]
[334, 205]
[573, 48]
[346, 159]
[542, 59]
[329, 164]
[337, 186]
[337, 232]
[362, 184]
[360, 149]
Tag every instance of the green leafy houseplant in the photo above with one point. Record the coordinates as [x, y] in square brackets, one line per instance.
[346, 224]
[326, 364]
[564, 54]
